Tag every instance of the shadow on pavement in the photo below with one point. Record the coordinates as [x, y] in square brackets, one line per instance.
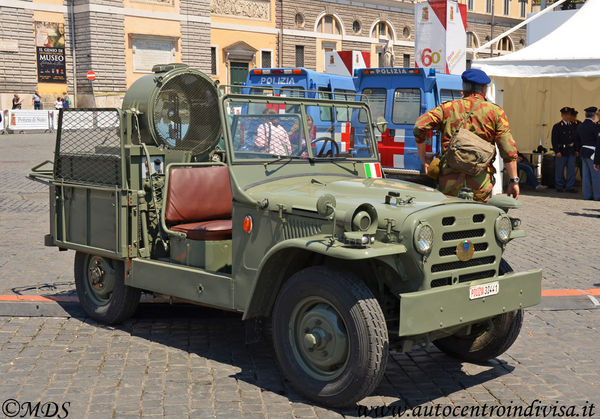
[414, 379]
[582, 214]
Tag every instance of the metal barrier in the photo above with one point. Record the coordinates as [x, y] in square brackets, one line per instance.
[21, 120]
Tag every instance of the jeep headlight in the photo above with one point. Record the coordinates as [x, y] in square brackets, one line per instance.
[503, 228]
[423, 238]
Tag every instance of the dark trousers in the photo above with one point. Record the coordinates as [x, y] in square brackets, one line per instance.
[560, 163]
[530, 172]
[37, 105]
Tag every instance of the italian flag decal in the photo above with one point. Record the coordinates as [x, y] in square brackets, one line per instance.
[373, 170]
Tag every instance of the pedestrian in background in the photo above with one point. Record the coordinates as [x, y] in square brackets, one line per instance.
[17, 102]
[58, 104]
[587, 137]
[67, 101]
[486, 120]
[37, 101]
[563, 143]
[529, 169]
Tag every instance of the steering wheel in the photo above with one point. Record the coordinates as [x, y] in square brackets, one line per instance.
[326, 140]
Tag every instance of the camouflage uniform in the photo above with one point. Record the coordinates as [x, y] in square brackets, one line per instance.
[488, 121]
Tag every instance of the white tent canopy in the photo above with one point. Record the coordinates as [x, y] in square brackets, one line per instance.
[561, 69]
[571, 50]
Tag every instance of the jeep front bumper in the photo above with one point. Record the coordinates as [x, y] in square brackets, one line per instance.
[443, 307]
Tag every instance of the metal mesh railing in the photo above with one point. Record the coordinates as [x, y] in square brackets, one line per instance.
[88, 148]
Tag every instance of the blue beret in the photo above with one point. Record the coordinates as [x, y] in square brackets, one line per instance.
[474, 75]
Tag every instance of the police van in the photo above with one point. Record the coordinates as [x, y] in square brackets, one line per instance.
[401, 95]
[328, 122]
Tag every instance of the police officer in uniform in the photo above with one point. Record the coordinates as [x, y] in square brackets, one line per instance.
[563, 143]
[573, 112]
[588, 134]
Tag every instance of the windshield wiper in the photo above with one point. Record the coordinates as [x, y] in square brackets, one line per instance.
[340, 158]
[281, 158]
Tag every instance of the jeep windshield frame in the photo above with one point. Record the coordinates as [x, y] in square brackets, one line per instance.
[266, 129]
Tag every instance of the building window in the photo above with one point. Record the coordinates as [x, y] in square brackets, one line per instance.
[329, 24]
[470, 5]
[505, 44]
[213, 60]
[488, 6]
[406, 60]
[356, 26]
[382, 30]
[523, 8]
[299, 55]
[406, 32]
[506, 7]
[265, 59]
[299, 19]
[472, 41]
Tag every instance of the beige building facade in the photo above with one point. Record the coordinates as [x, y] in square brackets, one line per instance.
[120, 40]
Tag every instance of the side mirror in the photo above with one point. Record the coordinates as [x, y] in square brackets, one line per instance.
[381, 124]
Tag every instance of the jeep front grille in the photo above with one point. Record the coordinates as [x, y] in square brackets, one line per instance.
[459, 264]
[465, 234]
[463, 278]
[476, 224]
[477, 275]
[448, 251]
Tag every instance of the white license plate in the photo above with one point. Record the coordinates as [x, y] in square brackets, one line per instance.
[483, 290]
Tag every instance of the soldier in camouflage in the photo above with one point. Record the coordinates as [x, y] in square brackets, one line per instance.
[488, 121]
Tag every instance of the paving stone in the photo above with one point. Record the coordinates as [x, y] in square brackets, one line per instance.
[199, 366]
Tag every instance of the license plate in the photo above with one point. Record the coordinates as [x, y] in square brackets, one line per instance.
[483, 290]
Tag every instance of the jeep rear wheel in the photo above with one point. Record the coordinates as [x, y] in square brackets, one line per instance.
[487, 340]
[100, 285]
[330, 336]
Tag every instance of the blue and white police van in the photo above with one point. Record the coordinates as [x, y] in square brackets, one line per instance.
[328, 121]
[401, 95]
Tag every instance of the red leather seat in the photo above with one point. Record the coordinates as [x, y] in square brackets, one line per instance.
[199, 202]
[206, 230]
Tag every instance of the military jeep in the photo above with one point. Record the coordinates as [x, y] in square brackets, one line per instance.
[210, 196]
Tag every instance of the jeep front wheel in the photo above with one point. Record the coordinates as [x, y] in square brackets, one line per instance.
[330, 336]
[100, 285]
[487, 340]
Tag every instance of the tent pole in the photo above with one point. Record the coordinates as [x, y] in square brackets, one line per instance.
[511, 30]
[545, 91]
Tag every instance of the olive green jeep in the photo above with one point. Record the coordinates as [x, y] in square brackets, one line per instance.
[235, 201]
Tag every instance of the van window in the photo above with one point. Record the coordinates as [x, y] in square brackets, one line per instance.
[447, 94]
[326, 111]
[343, 114]
[376, 99]
[296, 91]
[407, 106]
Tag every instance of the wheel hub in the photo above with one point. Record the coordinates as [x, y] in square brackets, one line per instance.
[100, 278]
[320, 339]
[97, 275]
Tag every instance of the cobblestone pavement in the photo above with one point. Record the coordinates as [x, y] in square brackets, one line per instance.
[194, 363]
[186, 367]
